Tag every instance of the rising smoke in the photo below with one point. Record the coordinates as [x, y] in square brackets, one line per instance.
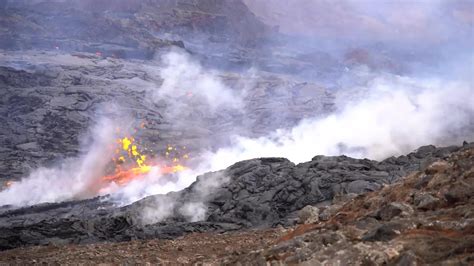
[75, 178]
[378, 114]
[393, 115]
[183, 77]
[389, 115]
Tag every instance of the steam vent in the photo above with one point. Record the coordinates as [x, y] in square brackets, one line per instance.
[236, 132]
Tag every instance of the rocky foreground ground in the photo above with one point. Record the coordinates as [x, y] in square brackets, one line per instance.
[256, 193]
[425, 217]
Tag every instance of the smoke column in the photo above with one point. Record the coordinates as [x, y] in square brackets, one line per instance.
[379, 113]
[75, 178]
[393, 115]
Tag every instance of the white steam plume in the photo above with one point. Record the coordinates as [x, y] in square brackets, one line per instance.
[157, 209]
[190, 93]
[388, 115]
[184, 78]
[75, 178]
[194, 211]
[393, 116]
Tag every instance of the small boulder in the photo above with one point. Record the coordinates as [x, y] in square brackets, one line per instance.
[384, 232]
[328, 211]
[342, 198]
[437, 167]
[407, 258]
[459, 192]
[425, 201]
[394, 209]
[309, 214]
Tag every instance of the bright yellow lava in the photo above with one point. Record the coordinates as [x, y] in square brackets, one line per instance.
[132, 151]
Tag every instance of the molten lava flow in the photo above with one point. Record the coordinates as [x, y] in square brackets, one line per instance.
[7, 184]
[131, 164]
[122, 177]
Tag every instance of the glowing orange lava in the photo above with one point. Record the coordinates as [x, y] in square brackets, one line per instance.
[131, 164]
[122, 177]
[8, 184]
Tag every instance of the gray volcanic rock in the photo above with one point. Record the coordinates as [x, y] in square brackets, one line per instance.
[249, 194]
[122, 28]
[49, 100]
[399, 233]
[265, 191]
[224, 34]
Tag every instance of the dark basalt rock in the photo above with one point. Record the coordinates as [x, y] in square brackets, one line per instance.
[386, 227]
[49, 101]
[249, 194]
[122, 28]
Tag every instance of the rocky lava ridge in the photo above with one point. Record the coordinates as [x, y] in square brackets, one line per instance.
[258, 193]
[423, 218]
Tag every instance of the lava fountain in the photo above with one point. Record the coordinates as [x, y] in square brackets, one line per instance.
[130, 163]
